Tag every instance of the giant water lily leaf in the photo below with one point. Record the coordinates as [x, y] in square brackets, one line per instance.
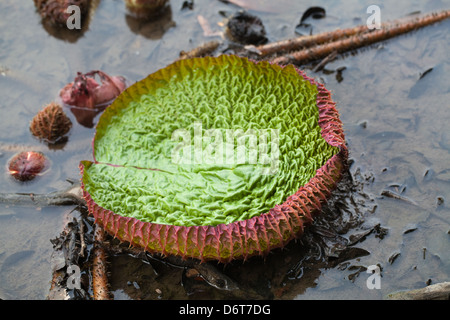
[214, 158]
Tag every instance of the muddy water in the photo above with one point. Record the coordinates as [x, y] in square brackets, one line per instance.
[395, 116]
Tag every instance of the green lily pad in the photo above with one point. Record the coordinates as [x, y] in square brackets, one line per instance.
[208, 145]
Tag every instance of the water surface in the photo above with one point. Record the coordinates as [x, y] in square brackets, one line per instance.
[395, 117]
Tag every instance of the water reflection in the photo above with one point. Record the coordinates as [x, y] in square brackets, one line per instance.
[153, 28]
[62, 33]
[86, 116]
[54, 18]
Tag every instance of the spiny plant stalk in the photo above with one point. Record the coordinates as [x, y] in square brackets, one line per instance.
[305, 41]
[99, 269]
[361, 40]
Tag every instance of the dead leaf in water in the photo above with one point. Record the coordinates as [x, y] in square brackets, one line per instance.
[314, 12]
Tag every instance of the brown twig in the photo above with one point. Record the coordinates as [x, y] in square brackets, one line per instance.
[324, 62]
[205, 49]
[71, 196]
[390, 194]
[360, 40]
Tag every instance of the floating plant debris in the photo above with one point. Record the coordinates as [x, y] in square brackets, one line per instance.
[304, 28]
[246, 29]
[86, 92]
[314, 12]
[423, 74]
[27, 165]
[139, 191]
[188, 4]
[51, 123]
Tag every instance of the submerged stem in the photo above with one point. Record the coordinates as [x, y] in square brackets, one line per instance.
[70, 196]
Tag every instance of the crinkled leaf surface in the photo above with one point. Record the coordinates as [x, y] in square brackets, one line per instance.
[135, 175]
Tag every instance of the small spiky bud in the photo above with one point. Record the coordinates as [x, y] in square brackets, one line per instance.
[51, 124]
